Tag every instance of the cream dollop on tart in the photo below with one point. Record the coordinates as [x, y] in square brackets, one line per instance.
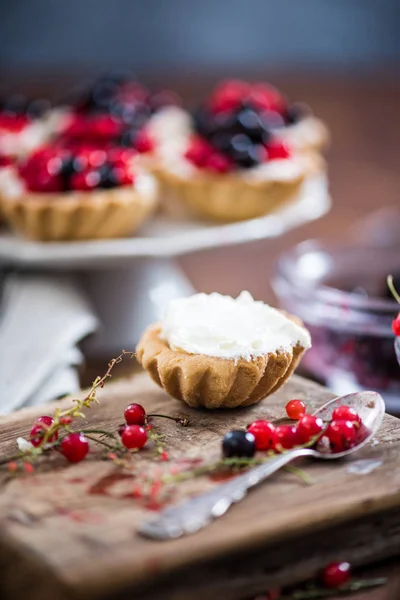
[216, 351]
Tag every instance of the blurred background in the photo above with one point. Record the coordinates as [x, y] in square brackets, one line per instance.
[342, 58]
[156, 36]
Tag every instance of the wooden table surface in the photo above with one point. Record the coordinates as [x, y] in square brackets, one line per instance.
[362, 112]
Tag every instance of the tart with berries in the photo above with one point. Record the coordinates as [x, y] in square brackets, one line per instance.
[233, 164]
[77, 193]
[215, 351]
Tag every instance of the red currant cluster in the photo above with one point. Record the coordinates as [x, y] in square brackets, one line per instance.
[84, 168]
[341, 432]
[133, 434]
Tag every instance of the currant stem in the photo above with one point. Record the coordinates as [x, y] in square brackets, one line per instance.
[305, 477]
[103, 443]
[319, 593]
[393, 290]
[181, 421]
[99, 432]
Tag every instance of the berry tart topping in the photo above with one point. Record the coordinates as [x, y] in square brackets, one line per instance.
[235, 128]
[116, 108]
[83, 168]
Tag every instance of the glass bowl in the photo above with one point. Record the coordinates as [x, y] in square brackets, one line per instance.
[340, 292]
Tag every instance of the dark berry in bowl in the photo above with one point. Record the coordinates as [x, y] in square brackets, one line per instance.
[352, 338]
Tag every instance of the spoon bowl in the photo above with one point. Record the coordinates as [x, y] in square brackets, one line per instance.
[368, 405]
[194, 514]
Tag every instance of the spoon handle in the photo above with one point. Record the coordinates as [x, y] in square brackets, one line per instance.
[194, 514]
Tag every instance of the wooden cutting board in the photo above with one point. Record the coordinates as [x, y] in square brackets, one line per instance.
[69, 531]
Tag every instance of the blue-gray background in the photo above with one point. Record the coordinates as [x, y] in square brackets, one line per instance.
[185, 34]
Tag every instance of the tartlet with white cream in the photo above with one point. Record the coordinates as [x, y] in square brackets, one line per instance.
[215, 351]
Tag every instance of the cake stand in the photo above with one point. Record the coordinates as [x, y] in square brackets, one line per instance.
[130, 280]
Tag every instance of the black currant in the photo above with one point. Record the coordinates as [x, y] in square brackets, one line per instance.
[238, 443]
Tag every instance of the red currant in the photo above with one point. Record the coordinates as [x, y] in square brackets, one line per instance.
[267, 98]
[218, 163]
[134, 437]
[264, 434]
[346, 413]
[135, 414]
[88, 157]
[309, 427]
[295, 409]
[341, 435]
[228, 95]
[86, 181]
[46, 420]
[336, 574]
[74, 447]
[286, 437]
[5, 161]
[144, 143]
[42, 181]
[104, 126]
[121, 156]
[277, 150]
[396, 325]
[122, 175]
[39, 429]
[199, 152]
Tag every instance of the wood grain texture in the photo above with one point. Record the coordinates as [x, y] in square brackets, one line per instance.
[58, 532]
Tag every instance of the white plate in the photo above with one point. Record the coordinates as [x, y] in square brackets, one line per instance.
[165, 237]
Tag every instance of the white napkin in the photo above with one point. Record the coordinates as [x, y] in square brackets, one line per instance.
[42, 318]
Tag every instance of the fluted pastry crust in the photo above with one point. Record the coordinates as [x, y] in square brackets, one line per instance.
[98, 214]
[212, 382]
[232, 197]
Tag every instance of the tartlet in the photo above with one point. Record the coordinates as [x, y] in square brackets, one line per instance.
[231, 161]
[197, 356]
[58, 194]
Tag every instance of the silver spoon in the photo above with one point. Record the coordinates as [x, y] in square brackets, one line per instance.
[194, 514]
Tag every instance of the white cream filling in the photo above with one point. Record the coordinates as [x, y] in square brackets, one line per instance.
[227, 327]
[24, 141]
[309, 131]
